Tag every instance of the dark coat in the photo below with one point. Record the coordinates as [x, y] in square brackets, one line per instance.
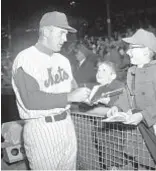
[86, 73]
[140, 95]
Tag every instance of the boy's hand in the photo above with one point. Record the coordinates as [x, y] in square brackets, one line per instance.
[134, 119]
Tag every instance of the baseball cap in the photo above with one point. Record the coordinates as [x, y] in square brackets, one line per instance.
[57, 19]
[144, 38]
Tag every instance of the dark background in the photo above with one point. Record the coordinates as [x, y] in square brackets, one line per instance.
[23, 15]
[20, 10]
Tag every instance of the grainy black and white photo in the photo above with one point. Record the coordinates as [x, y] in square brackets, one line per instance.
[78, 85]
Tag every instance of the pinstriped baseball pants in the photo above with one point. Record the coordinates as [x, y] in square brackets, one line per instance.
[50, 146]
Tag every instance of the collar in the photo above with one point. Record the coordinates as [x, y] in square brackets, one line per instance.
[43, 49]
[132, 70]
[153, 62]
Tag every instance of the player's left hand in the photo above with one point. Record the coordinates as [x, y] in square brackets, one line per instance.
[134, 119]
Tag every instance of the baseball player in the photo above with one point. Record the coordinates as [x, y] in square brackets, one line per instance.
[44, 87]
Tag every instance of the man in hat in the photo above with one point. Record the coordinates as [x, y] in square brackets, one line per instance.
[141, 79]
[140, 96]
[42, 81]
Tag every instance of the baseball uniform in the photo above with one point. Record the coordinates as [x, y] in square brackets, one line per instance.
[41, 81]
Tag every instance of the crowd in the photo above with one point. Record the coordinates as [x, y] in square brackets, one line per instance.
[104, 48]
[102, 45]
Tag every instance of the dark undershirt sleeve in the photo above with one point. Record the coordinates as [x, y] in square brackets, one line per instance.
[33, 98]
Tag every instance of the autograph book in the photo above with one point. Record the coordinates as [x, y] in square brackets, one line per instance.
[99, 92]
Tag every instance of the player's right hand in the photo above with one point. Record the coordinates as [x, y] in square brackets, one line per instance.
[79, 95]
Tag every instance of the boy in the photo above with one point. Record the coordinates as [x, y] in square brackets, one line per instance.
[105, 133]
[140, 96]
[107, 78]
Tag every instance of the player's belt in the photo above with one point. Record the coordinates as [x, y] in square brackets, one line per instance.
[56, 118]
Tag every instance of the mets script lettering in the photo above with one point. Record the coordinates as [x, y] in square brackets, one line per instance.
[60, 76]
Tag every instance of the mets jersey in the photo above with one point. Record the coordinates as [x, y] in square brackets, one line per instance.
[52, 73]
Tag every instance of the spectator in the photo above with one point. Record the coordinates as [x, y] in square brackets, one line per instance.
[85, 72]
[106, 76]
[140, 95]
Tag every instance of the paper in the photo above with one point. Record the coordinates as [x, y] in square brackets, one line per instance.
[100, 91]
[118, 117]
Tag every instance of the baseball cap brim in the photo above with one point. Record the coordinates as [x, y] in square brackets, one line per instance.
[130, 40]
[69, 28]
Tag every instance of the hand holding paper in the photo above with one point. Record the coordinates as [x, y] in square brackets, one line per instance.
[102, 94]
[115, 116]
[134, 119]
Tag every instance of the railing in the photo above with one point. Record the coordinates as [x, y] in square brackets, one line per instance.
[109, 146]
